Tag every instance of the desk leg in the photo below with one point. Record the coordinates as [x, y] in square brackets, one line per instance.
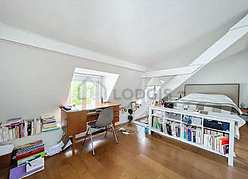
[113, 124]
[73, 143]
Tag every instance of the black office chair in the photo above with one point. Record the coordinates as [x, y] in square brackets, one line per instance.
[105, 119]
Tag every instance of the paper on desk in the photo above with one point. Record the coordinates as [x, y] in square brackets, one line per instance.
[6, 149]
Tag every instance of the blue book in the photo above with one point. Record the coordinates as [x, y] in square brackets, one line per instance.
[189, 136]
[225, 127]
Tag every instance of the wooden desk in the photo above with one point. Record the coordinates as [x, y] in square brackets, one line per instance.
[75, 122]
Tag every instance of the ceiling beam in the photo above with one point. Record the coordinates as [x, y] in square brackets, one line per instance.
[171, 72]
[233, 35]
[20, 36]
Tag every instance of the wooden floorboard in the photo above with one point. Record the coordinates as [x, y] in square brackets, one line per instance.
[142, 156]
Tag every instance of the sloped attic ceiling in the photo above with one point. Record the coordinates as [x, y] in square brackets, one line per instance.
[157, 34]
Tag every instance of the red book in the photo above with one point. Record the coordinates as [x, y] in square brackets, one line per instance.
[224, 141]
[22, 130]
[18, 157]
[47, 122]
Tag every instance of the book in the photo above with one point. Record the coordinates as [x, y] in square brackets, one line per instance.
[5, 133]
[194, 135]
[47, 116]
[10, 133]
[189, 134]
[1, 134]
[225, 149]
[13, 121]
[25, 129]
[49, 124]
[32, 127]
[29, 128]
[17, 132]
[198, 135]
[20, 131]
[31, 157]
[224, 141]
[52, 129]
[54, 126]
[29, 149]
[13, 133]
[24, 155]
[21, 147]
[185, 133]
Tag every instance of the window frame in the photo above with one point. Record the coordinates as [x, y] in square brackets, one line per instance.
[84, 78]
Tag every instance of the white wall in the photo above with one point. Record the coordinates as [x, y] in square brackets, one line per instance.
[233, 69]
[35, 81]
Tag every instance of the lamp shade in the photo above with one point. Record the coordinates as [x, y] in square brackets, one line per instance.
[154, 82]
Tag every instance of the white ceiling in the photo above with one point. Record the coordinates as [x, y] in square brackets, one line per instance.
[158, 34]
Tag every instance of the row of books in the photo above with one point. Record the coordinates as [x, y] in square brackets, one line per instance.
[30, 159]
[157, 122]
[18, 128]
[192, 134]
[167, 127]
[217, 141]
[172, 128]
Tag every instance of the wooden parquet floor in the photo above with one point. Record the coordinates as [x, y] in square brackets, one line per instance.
[142, 156]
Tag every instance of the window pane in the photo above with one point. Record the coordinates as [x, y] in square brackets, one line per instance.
[76, 93]
[91, 94]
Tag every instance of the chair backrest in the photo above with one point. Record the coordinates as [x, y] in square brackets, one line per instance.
[105, 117]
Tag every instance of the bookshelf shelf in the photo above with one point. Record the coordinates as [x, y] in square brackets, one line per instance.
[19, 128]
[185, 123]
[206, 138]
[216, 130]
[157, 116]
[185, 141]
[175, 120]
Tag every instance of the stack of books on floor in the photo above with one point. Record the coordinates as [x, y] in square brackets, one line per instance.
[49, 123]
[18, 128]
[30, 159]
[217, 141]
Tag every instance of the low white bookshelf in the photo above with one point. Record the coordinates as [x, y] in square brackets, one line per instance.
[168, 116]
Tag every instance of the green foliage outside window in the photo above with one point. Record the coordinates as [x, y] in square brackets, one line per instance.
[76, 93]
[91, 92]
